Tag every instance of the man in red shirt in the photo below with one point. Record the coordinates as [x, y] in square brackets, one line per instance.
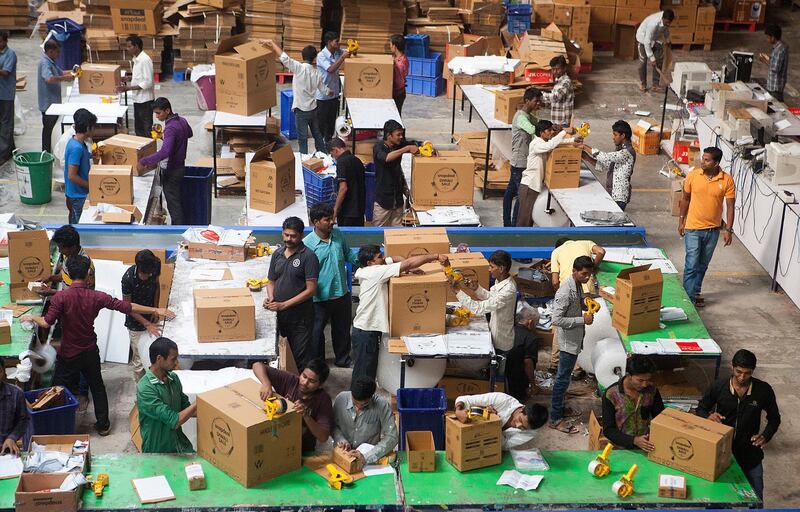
[76, 308]
[397, 44]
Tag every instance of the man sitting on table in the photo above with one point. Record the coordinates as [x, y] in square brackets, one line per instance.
[511, 412]
[361, 418]
[307, 395]
[630, 405]
[14, 418]
[163, 406]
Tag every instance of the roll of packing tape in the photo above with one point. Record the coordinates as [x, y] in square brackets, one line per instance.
[617, 487]
[608, 361]
[342, 127]
[556, 219]
[593, 467]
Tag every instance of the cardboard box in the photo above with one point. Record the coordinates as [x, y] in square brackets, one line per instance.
[597, 441]
[445, 179]
[646, 138]
[346, 462]
[142, 17]
[5, 332]
[224, 314]
[124, 149]
[417, 302]
[111, 184]
[562, 14]
[64, 443]
[420, 452]
[506, 104]
[581, 14]
[99, 78]
[415, 241]
[468, 49]
[703, 34]
[544, 11]
[671, 486]
[637, 300]
[131, 215]
[29, 260]
[563, 167]
[675, 196]
[217, 252]
[245, 82]
[473, 266]
[195, 476]
[691, 444]
[706, 14]
[601, 32]
[473, 445]
[749, 10]
[602, 15]
[369, 76]
[34, 493]
[135, 428]
[634, 14]
[455, 387]
[314, 164]
[234, 435]
[272, 176]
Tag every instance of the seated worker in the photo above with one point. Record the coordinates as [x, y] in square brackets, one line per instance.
[618, 163]
[363, 417]
[163, 406]
[14, 418]
[630, 405]
[68, 241]
[512, 413]
[521, 360]
[307, 395]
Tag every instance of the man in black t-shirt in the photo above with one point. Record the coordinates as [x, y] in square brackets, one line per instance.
[141, 285]
[350, 200]
[390, 183]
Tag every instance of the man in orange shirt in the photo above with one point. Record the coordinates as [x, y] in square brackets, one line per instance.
[701, 218]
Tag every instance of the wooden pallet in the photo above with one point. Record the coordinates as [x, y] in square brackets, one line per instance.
[694, 46]
[727, 24]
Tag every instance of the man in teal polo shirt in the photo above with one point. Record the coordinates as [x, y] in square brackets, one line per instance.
[332, 300]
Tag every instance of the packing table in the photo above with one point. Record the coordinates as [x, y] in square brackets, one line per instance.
[298, 209]
[74, 96]
[590, 195]
[20, 338]
[143, 192]
[370, 114]
[226, 120]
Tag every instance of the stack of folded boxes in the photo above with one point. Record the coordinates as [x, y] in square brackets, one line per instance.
[302, 26]
[371, 22]
[704, 26]
[201, 26]
[681, 30]
[483, 17]
[263, 19]
[14, 14]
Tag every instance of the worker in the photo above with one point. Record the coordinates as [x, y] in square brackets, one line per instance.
[68, 241]
[521, 360]
[569, 319]
[329, 61]
[350, 178]
[140, 84]
[523, 128]
[332, 300]
[162, 404]
[77, 163]
[77, 308]
[397, 46]
[8, 91]
[372, 314]
[362, 417]
[618, 163]
[499, 301]
[562, 97]
[512, 413]
[48, 83]
[739, 401]
[171, 158]
[141, 284]
[293, 274]
[651, 38]
[778, 62]
[14, 417]
[306, 394]
[390, 182]
[630, 404]
[307, 82]
[548, 137]
[700, 222]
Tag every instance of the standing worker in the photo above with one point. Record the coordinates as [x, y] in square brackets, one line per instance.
[140, 284]
[351, 196]
[171, 158]
[390, 182]
[329, 61]
[397, 45]
[778, 62]
[618, 163]
[8, 91]
[48, 81]
[562, 98]
[523, 128]
[77, 162]
[651, 37]
[140, 83]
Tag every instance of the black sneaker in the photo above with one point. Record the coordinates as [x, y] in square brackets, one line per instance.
[104, 431]
[347, 363]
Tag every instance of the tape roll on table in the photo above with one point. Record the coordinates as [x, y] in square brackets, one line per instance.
[425, 373]
[608, 361]
[617, 486]
[557, 219]
[342, 127]
[593, 466]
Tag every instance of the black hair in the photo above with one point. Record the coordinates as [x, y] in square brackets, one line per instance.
[390, 127]
[308, 53]
[318, 211]
[770, 30]
[294, 224]
[561, 241]
[320, 368]
[399, 42]
[639, 364]
[83, 120]
[362, 389]
[336, 142]
[532, 93]
[367, 253]
[161, 347]
[135, 41]
[78, 267]
[4, 35]
[558, 60]
[622, 127]
[543, 125]
[501, 259]
[51, 44]
[329, 36]
[668, 14]
[715, 153]
[147, 262]
[743, 358]
[582, 262]
[537, 415]
[162, 103]
[66, 236]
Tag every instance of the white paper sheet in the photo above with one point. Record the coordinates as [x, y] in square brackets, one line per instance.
[646, 253]
[679, 346]
[153, 489]
[618, 255]
[378, 469]
[10, 466]
[434, 345]
[72, 481]
[672, 314]
[472, 343]
[783, 123]
[365, 448]
[517, 480]
[234, 237]
[666, 266]
[207, 274]
[646, 347]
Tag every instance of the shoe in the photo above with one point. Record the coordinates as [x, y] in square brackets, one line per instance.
[83, 403]
[347, 363]
[579, 374]
[103, 431]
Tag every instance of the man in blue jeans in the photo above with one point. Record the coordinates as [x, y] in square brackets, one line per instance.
[77, 161]
[570, 320]
[704, 192]
[523, 128]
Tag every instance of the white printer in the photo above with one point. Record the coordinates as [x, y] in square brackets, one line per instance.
[687, 76]
[784, 161]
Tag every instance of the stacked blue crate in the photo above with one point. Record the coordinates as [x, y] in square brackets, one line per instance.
[519, 17]
[425, 75]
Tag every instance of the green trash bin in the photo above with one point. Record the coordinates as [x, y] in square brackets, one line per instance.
[34, 176]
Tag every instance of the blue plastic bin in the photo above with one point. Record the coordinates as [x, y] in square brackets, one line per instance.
[320, 188]
[426, 68]
[425, 86]
[369, 195]
[519, 9]
[56, 420]
[422, 409]
[519, 24]
[196, 189]
[179, 76]
[417, 46]
[288, 126]
[68, 35]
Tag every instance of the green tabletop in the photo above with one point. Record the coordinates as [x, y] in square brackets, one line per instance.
[20, 338]
[568, 484]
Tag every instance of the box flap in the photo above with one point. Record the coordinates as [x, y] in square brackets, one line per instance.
[433, 273]
[263, 152]
[702, 427]
[251, 50]
[625, 273]
[227, 45]
[222, 297]
[283, 156]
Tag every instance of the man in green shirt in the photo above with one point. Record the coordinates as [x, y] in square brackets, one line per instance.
[163, 407]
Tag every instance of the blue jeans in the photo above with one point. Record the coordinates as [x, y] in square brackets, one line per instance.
[700, 245]
[75, 206]
[566, 363]
[303, 121]
[756, 478]
[512, 192]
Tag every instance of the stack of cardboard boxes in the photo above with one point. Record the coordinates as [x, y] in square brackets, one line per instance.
[371, 22]
[440, 35]
[14, 15]
[302, 26]
[201, 28]
[263, 19]
[742, 11]
[483, 17]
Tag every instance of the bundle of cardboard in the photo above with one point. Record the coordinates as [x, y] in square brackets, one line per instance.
[263, 19]
[201, 26]
[14, 14]
[302, 25]
[371, 22]
[483, 17]
[440, 35]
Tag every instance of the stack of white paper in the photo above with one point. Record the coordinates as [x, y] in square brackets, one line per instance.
[517, 480]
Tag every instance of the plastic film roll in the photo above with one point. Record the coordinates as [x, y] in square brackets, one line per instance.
[425, 373]
[585, 357]
[556, 219]
[608, 361]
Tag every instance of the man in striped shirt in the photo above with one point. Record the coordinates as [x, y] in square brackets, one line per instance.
[778, 62]
[562, 98]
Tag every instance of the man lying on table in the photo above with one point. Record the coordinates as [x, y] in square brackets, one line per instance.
[512, 413]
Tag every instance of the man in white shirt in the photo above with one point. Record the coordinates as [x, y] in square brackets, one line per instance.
[512, 413]
[306, 82]
[651, 36]
[372, 315]
[329, 61]
[140, 84]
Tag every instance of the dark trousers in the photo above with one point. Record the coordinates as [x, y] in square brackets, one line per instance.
[399, 99]
[512, 192]
[143, 118]
[365, 353]
[297, 326]
[6, 129]
[304, 121]
[48, 123]
[350, 221]
[327, 110]
[755, 476]
[68, 372]
[339, 312]
[75, 207]
[658, 54]
[778, 95]
[171, 186]
[516, 379]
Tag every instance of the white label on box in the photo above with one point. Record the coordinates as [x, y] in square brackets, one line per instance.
[194, 470]
[673, 481]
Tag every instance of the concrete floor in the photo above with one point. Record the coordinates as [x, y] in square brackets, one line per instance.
[741, 312]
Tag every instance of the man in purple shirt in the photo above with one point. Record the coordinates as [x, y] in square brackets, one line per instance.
[171, 158]
[76, 308]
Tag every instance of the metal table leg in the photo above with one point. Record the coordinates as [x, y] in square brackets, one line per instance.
[492, 373]
[402, 371]
[663, 114]
[214, 155]
[486, 161]
[453, 115]
[774, 286]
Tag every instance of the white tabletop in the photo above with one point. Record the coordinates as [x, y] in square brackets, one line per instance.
[482, 100]
[590, 195]
[448, 216]
[142, 188]
[371, 114]
[74, 96]
[111, 111]
[297, 209]
[223, 119]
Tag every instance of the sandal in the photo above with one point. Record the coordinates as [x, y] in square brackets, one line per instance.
[562, 427]
[642, 88]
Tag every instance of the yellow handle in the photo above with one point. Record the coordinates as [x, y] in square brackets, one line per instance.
[607, 451]
[631, 472]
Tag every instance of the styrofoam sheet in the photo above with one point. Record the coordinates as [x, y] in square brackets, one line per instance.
[112, 336]
[222, 119]
[371, 113]
[142, 188]
[101, 110]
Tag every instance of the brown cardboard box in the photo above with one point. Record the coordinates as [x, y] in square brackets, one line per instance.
[634, 14]
[196, 476]
[415, 241]
[245, 82]
[646, 139]
[474, 267]
[28, 261]
[579, 33]
[602, 3]
[346, 462]
[445, 179]
[417, 302]
[369, 76]
[675, 195]
[473, 445]
[131, 215]
[126, 256]
[544, 10]
[111, 184]
[581, 14]
[637, 300]
[650, 5]
[603, 15]
[99, 78]
[506, 104]
[691, 444]
[135, 429]
[602, 32]
[562, 14]
[124, 149]
[455, 387]
[224, 314]
[5, 332]
[142, 17]
[233, 434]
[217, 252]
[34, 493]
[706, 14]
[64, 443]
[597, 441]
[314, 164]
[272, 179]
[749, 10]
[225, 166]
[420, 452]
[563, 167]
[671, 486]
[468, 49]
[703, 34]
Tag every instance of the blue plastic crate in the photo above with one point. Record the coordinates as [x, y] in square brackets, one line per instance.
[68, 34]
[56, 420]
[179, 76]
[319, 188]
[369, 196]
[426, 68]
[288, 126]
[422, 409]
[519, 9]
[519, 24]
[417, 46]
[425, 86]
